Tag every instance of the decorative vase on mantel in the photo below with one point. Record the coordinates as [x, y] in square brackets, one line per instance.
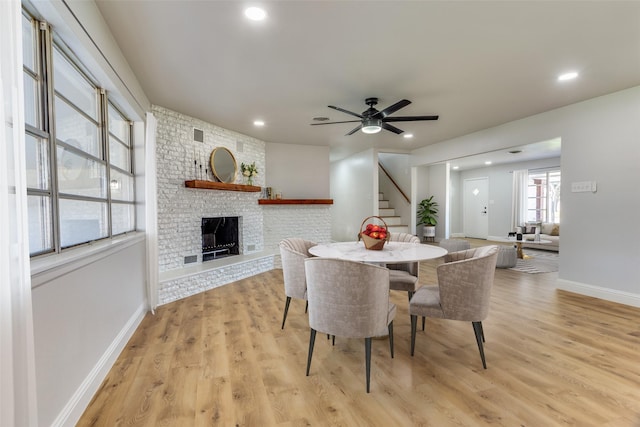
[249, 180]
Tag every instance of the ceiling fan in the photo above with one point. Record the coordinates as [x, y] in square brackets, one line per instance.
[373, 121]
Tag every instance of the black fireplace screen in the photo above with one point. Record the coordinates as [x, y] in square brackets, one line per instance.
[219, 237]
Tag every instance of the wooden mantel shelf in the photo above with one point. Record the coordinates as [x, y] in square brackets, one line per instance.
[212, 185]
[295, 201]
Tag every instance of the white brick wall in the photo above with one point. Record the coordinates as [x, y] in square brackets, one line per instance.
[173, 290]
[310, 222]
[181, 209]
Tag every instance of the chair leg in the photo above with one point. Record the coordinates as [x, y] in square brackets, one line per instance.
[367, 360]
[414, 321]
[286, 310]
[477, 328]
[333, 340]
[423, 323]
[312, 340]
[410, 294]
[391, 338]
[306, 307]
[482, 331]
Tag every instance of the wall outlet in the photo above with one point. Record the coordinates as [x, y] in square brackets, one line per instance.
[189, 259]
[251, 247]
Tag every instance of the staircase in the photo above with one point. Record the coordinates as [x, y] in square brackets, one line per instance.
[388, 213]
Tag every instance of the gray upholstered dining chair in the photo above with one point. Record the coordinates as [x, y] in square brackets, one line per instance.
[462, 293]
[293, 252]
[455, 245]
[404, 277]
[349, 299]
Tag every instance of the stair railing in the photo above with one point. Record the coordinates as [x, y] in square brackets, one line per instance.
[394, 183]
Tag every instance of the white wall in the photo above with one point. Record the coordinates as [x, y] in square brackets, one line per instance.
[354, 190]
[298, 171]
[181, 209]
[83, 315]
[432, 181]
[455, 204]
[600, 142]
[262, 227]
[85, 312]
[500, 181]
[437, 187]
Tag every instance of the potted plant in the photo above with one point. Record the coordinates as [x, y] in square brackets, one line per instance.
[428, 215]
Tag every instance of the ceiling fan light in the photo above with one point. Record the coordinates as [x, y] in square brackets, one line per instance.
[371, 126]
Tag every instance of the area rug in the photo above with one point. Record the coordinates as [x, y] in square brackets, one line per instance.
[540, 262]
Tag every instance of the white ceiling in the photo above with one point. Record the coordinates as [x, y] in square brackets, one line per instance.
[477, 64]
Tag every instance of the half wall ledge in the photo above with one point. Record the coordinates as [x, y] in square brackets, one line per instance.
[203, 267]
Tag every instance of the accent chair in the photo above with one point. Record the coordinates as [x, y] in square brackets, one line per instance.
[462, 293]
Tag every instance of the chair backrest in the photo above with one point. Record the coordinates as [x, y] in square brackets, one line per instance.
[347, 298]
[403, 237]
[465, 281]
[454, 245]
[410, 267]
[293, 252]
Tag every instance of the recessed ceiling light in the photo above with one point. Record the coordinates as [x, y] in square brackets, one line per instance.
[255, 13]
[258, 123]
[456, 167]
[407, 135]
[488, 162]
[567, 76]
[515, 151]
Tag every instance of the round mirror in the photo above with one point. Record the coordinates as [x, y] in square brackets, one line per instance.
[223, 165]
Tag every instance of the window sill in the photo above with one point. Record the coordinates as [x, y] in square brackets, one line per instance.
[49, 267]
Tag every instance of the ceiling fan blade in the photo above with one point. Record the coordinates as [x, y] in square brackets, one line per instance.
[391, 109]
[409, 118]
[355, 130]
[391, 128]
[333, 123]
[345, 111]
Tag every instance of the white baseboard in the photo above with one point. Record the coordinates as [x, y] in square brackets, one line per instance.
[607, 294]
[76, 406]
[454, 235]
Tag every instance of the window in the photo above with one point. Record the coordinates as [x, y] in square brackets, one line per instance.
[79, 150]
[543, 197]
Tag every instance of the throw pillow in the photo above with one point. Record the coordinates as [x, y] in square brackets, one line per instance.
[546, 228]
[531, 227]
[555, 231]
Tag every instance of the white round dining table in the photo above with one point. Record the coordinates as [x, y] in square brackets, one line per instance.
[391, 253]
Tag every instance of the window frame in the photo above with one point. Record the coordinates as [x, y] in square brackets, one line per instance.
[46, 44]
[542, 200]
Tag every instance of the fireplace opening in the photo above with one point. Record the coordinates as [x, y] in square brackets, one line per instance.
[220, 237]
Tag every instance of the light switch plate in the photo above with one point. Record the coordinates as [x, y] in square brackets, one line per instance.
[581, 187]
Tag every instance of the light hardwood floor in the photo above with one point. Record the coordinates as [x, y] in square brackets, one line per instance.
[220, 358]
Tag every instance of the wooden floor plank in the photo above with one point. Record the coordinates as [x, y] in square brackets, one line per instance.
[221, 358]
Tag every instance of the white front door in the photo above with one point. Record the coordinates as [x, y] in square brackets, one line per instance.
[476, 203]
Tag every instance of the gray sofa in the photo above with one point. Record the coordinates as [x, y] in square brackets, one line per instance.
[548, 231]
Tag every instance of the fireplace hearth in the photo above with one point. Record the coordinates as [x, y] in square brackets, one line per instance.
[220, 237]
